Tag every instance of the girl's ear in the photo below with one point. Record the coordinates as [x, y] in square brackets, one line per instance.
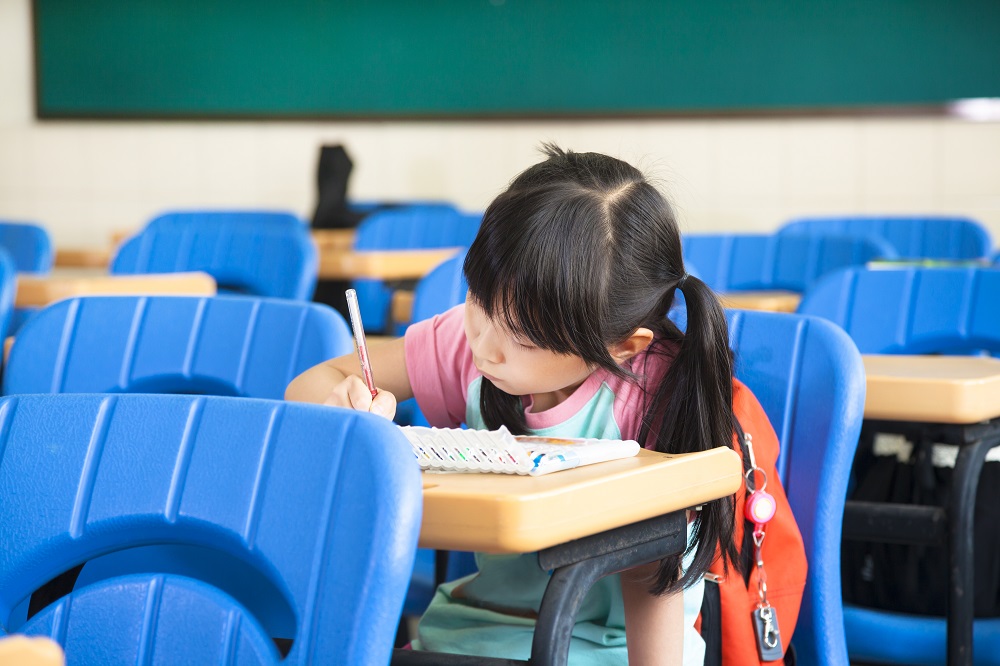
[632, 345]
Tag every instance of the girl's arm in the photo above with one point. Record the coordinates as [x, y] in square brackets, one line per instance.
[338, 382]
[654, 625]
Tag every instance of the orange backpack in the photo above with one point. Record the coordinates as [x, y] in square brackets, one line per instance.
[783, 551]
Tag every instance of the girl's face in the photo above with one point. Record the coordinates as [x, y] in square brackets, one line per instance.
[517, 366]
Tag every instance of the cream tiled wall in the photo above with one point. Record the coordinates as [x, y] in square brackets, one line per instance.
[84, 180]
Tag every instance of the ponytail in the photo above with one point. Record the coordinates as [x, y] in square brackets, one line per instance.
[692, 410]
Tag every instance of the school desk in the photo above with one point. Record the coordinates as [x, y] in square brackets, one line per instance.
[338, 239]
[769, 301]
[388, 265]
[934, 399]
[83, 257]
[584, 524]
[20, 650]
[40, 290]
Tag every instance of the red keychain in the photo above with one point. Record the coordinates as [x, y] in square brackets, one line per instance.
[759, 508]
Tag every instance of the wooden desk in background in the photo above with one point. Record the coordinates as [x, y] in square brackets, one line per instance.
[83, 258]
[389, 265]
[584, 523]
[934, 399]
[768, 301]
[40, 290]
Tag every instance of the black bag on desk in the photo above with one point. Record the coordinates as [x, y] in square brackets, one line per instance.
[909, 578]
[332, 175]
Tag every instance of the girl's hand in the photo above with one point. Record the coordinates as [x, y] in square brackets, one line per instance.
[352, 393]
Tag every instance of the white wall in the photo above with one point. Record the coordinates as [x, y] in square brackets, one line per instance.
[84, 180]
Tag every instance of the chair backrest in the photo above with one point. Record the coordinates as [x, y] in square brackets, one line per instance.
[746, 262]
[441, 289]
[913, 236]
[809, 378]
[8, 291]
[318, 507]
[256, 253]
[912, 310]
[222, 345]
[29, 246]
[406, 228]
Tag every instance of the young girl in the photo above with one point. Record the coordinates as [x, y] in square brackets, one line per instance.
[565, 333]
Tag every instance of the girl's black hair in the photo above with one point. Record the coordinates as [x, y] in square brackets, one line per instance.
[579, 252]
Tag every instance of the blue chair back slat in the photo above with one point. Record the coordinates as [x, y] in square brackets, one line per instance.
[420, 227]
[261, 254]
[809, 378]
[912, 310]
[29, 246]
[8, 291]
[441, 289]
[745, 262]
[913, 237]
[323, 504]
[223, 345]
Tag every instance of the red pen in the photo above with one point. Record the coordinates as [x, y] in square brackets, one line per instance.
[359, 340]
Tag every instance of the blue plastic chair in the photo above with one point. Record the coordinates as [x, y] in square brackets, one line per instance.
[28, 245]
[751, 262]
[256, 253]
[913, 236]
[809, 378]
[911, 310]
[406, 228]
[296, 517]
[8, 291]
[222, 345]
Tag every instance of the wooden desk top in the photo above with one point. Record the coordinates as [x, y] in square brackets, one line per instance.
[932, 389]
[81, 257]
[21, 650]
[341, 264]
[39, 290]
[502, 513]
[339, 239]
[770, 301]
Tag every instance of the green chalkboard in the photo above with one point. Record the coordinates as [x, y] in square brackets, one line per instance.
[506, 58]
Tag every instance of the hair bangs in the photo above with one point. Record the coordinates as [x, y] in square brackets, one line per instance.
[532, 274]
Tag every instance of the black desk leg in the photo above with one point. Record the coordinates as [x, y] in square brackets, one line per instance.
[961, 574]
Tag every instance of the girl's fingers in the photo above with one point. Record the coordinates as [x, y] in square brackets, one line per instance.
[384, 404]
[353, 393]
[350, 393]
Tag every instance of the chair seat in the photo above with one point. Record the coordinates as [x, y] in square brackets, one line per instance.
[916, 639]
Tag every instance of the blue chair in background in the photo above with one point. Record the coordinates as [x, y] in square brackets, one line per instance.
[406, 228]
[222, 345]
[912, 236]
[912, 311]
[29, 248]
[28, 245]
[298, 521]
[256, 253]
[764, 262]
[809, 378]
[8, 291]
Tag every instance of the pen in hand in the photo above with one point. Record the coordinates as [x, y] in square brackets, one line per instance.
[359, 340]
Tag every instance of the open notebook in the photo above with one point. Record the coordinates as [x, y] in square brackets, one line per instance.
[453, 449]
